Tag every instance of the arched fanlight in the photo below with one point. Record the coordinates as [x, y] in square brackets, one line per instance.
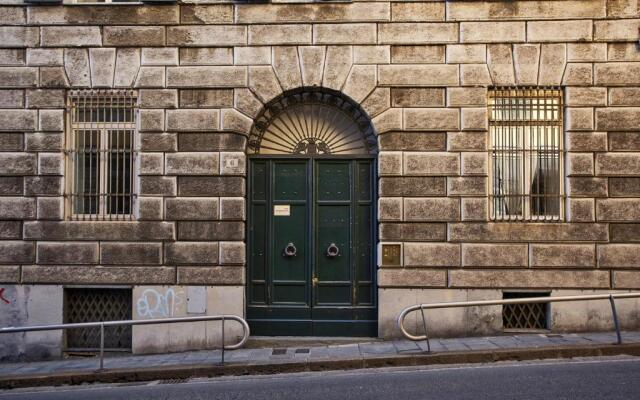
[312, 121]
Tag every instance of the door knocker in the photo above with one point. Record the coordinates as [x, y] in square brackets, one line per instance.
[333, 250]
[290, 250]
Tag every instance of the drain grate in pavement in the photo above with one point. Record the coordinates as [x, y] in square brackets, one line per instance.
[302, 351]
[279, 352]
[172, 381]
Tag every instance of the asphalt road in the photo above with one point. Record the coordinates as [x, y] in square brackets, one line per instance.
[610, 378]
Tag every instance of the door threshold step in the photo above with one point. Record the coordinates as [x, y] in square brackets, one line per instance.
[256, 342]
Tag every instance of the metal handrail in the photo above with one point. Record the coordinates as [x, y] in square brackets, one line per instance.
[129, 322]
[422, 307]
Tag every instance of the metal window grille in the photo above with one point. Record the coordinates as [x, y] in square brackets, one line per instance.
[94, 305]
[101, 154]
[526, 154]
[526, 315]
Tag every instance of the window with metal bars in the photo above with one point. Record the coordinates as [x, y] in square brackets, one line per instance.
[526, 316]
[100, 154]
[526, 154]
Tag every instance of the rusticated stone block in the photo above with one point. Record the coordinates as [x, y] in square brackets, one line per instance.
[17, 164]
[578, 74]
[158, 185]
[467, 186]
[279, 34]
[206, 56]
[286, 64]
[210, 230]
[11, 185]
[235, 121]
[430, 11]
[15, 57]
[530, 232]
[370, 55]
[474, 209]
[466, 96]
[97, 15]
[431, 209]
[11, 141]
[18, 120]
[19, 36]
[529, 279]
[45, 98]
[581, 210]
[579, 164]
[417, 54]
[16, 252]
[474, 74]
[617, 118]
[624, 187]
[626, 280]
[206, 13]
[17, 208]
[618, 209]
[624, 141]
[500, 63]
[193, 120]
[474, 163]
[151, 120]
[98, 275]
[377, 102]
[416, 141]
[264, 83]
[587, 187]
[42, 186]
[587, 141]
[317, 12]
[553, 58]
[51, 120]
[150, 77]
[232, 208]
[587, 51]
[616, 30]
[43, 141]
[617, 164]
[492, 32]
[12, 98]
[183, 208]
[206, 98]
[624, 96]
[71, 36]
[339, 59]
[203, 253]
[473, 119]
[106, 230]
[466, 53]
[131, 253]
[211, 142]
[12, 15]
[102, 64]
[417, 33]
[133, 36]
[411, 278]
[431, 255]
[209, 35]
[10, 230]
[50, 208]
[211, 275]
[494, 255]
[526, 60]
[258, 55]
[200, 77]
[625, 232]
[413, 186]
[360, 82]
[18, 77]
[232, 253]
[192, 163]
[127, 67]
[418, 75]
[427, 163]
[158, 98]
[541, 9]
[417, 97]
[559, 31]
[227, 186]
[311, 63]
[562, 255]
[589, 96]
[414, 231]
[467, 141]
[619, 256]
[10, 273]
[67, 253]
[160, 56]
[431, 119]
[390, 209]
[622, 52]
[150, 208]
[158, 142]
[617, 74]
[232, 163]
[388, 120]
[390, 163]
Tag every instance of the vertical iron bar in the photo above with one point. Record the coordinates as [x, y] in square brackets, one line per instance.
[222, 363]
[615, 318]
[424, 325]
[101, 346]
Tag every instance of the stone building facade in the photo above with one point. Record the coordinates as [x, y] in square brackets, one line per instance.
[201, 73]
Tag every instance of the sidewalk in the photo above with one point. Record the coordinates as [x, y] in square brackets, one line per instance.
[367, 354]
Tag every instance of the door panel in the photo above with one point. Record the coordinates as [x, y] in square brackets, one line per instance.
[312, 204]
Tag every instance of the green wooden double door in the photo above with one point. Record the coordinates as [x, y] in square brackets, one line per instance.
[311, 247]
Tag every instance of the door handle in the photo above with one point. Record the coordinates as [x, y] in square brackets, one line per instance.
[290, 250]
[333, 250]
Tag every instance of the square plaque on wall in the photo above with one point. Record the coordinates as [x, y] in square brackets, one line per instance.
[391, 254]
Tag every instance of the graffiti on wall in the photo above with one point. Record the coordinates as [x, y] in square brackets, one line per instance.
[154, 304]
[2, 298]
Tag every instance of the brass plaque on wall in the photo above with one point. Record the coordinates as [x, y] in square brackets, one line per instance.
[391, 254]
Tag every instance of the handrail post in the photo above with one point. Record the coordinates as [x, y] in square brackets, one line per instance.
[101, 346]
[424, 325]
[615, 318]
[222, 363]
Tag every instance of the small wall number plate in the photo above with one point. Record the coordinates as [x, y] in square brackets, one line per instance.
[282, 210]
[391, 254]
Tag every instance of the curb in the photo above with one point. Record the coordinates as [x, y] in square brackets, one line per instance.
[418, 359]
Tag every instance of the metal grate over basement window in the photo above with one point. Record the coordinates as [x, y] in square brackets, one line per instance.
[526, 154]
[527, 316]
[95, 305]
[101, 154]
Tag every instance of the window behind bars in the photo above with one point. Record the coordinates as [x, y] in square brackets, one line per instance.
[100, 154]
[526, 135]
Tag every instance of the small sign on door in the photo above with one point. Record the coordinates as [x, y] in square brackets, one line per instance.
[282, 210]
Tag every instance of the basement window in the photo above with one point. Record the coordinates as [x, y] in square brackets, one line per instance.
[100, 154]
[525, 316]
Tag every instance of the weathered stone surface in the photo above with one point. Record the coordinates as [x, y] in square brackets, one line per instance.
[199, 77]
[279, 34]
[211, 142]
[204, 253]
[232, 253]
[494, 255]
[578, 74]
[474, 74]
[158, 98]
[531, 232]
[12, 15]
[431, 255]
[526, 61]
[589, 96]
[40, 141]
[625, 232]
[232, 208]
[561, 255]
[626, 279]
[360, 82]
[500, 63]
[430, 11]
[209, 35]
[150, 208]
[226, 186]
[417, 33]
[68, 253]
[559, 31]
[467, 141]
[50, 164]
[627, 96]
[581, 210]
[616, 30]
[193, 120]
[529, 279]
[586, 52]
[88, 14]
[388, 120]
[19, 36]
[411, 278]
[390, 209]
[618, 209]
[311, 64]
[474, 209]
[492, 32]
[12, 98]
[158, 185]
[45, 98]
[622, 52]
[11, 185]
[18, 77]
[127, 66]
[206, 13]
[50, 208]
[234, 121]
[587, 141]
[133, 36]
[624, 187]
[617, 74]
[130, 253]
[619, 256]
[431, 119]
[206, 55]
[474, 163]
[264, 83]
[466, 53]
[103, 63]
[192, 163]
[467, 186]
[18, 120]
[540, 9]
[431, 209]
[553, 58]
[106, 230]
[51, 120]
[617, 118]
[98, 275]
[10, 273]
[390, 163]
[414, 231]
[233, 163]
[418, 54]
[417, 97]
[210, 230]
[211, 276]
[206, 98]
[10, 230]
[474, 119]
[160, 56]
[617, 164]
[16, 252]
[76, 65]
[317, 12]
[413, 186]
[42, 186]
[377, 102]
[579, 119]
[624, 141]
[61, 36]
[286, 65]
[431, 163]
[587, 187]
[344, 34]
[17, 164]
[12, 57]
[256, 55]
[371, 55]
[158, 142]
